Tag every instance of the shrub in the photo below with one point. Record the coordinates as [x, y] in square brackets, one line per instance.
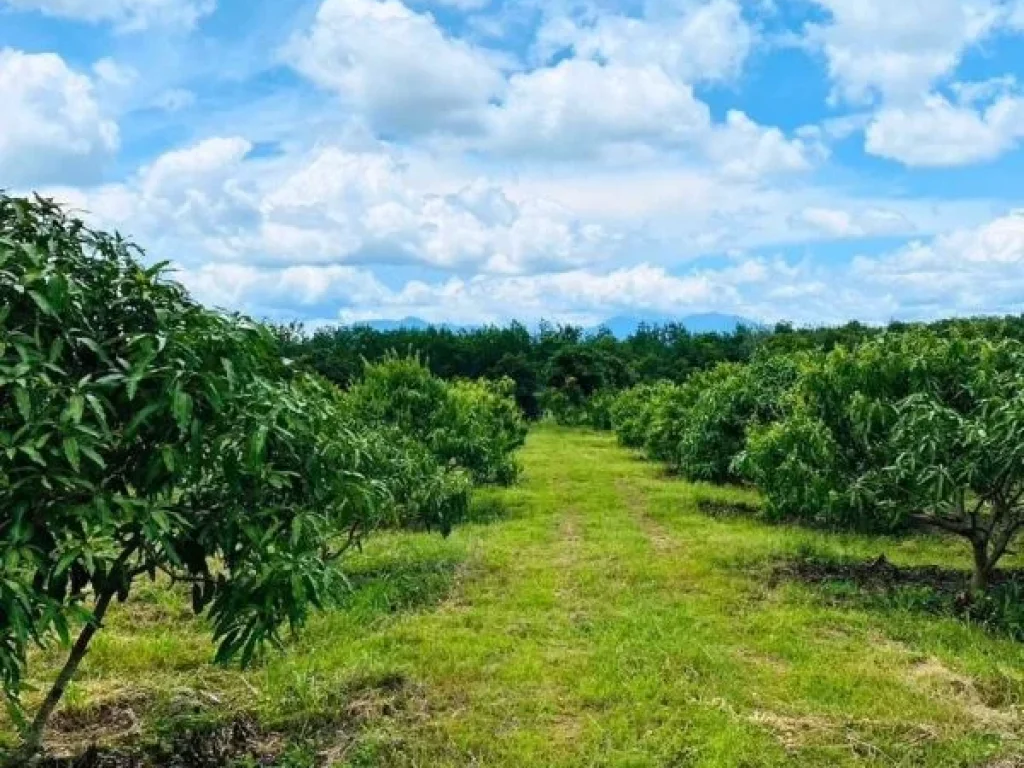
[473, 425]
[671, 412]
[484, 430]
[960, 471]
[599, 410]
[632, 411]
[736, 398]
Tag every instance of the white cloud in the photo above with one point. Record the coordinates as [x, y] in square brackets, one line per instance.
[692, 42]
[966, 271]
[332, 206]
[744, 149]
[113, 74]
[305, 235]
[266, 292]
[366, 207]
[840, 223]
[352, 294]
[962, 272]
[578, 106]
[898, 50]
[126, 15]
[51, 127]
[396, 67]
[939, 133]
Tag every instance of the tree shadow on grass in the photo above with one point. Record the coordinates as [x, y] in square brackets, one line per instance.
[880, 584]
[205, 740]
[489, 506]
[393, 587]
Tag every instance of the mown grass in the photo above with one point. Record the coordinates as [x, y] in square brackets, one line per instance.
[597, 618]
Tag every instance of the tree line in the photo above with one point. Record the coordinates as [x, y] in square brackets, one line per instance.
[570, 375]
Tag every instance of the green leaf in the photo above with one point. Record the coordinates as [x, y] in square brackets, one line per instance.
[168, 455]
[75, 409]
[72, 453]
[33, 454]
[140, 418]
[24, 403]
[182, 408]
[42, 303]
[91, 454]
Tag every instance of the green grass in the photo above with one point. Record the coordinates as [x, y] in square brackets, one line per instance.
[598, 620]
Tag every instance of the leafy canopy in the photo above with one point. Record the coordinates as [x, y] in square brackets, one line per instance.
[141, 433]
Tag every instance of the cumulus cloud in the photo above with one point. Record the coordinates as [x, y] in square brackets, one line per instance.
[126, 15]
[897, 51]
[51, 127]
[961, 272]
[579, 106]
[968, 270]
[397, 67]
[207, 202]
[692, 42]
[626, 91]
[937, 132]
[350, 294]
[744, 149]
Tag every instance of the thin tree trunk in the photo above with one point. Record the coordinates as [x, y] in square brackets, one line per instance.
[982, 566]
[33, 738]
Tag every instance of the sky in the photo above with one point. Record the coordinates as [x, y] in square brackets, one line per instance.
[475, 161]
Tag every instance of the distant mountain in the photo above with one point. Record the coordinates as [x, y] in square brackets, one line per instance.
[621, 326]
[624, 326]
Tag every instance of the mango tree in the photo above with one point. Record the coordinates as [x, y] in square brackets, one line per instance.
[141, 434]
[961, 472]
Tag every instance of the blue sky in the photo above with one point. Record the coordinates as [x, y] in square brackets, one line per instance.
[481, 160]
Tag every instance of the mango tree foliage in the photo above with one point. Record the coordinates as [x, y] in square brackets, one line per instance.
[961, 471]
[485, 430]
[735, 399]
[474, 426]
[141, 433]
[632, 411]
[846, 400]
[671, 412]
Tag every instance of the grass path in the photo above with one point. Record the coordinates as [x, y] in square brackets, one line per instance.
[601, 621]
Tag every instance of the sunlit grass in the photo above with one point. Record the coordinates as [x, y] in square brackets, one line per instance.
[597, 618]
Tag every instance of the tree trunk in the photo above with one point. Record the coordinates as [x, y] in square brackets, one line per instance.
[982, 566]
[33, 737]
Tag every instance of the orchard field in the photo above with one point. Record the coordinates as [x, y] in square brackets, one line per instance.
[228, 542]
[595, 615]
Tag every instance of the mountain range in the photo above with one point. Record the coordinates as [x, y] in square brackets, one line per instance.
[621, 326]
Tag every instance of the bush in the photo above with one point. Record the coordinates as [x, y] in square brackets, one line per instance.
[423, 494]
[735, 399]
[472, 425]
[671, 412]
[485, 430]
[632, 412]
[598, 410]
[908, 430]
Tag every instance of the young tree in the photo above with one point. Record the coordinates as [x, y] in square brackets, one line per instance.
[961, 472]
[141, 434]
